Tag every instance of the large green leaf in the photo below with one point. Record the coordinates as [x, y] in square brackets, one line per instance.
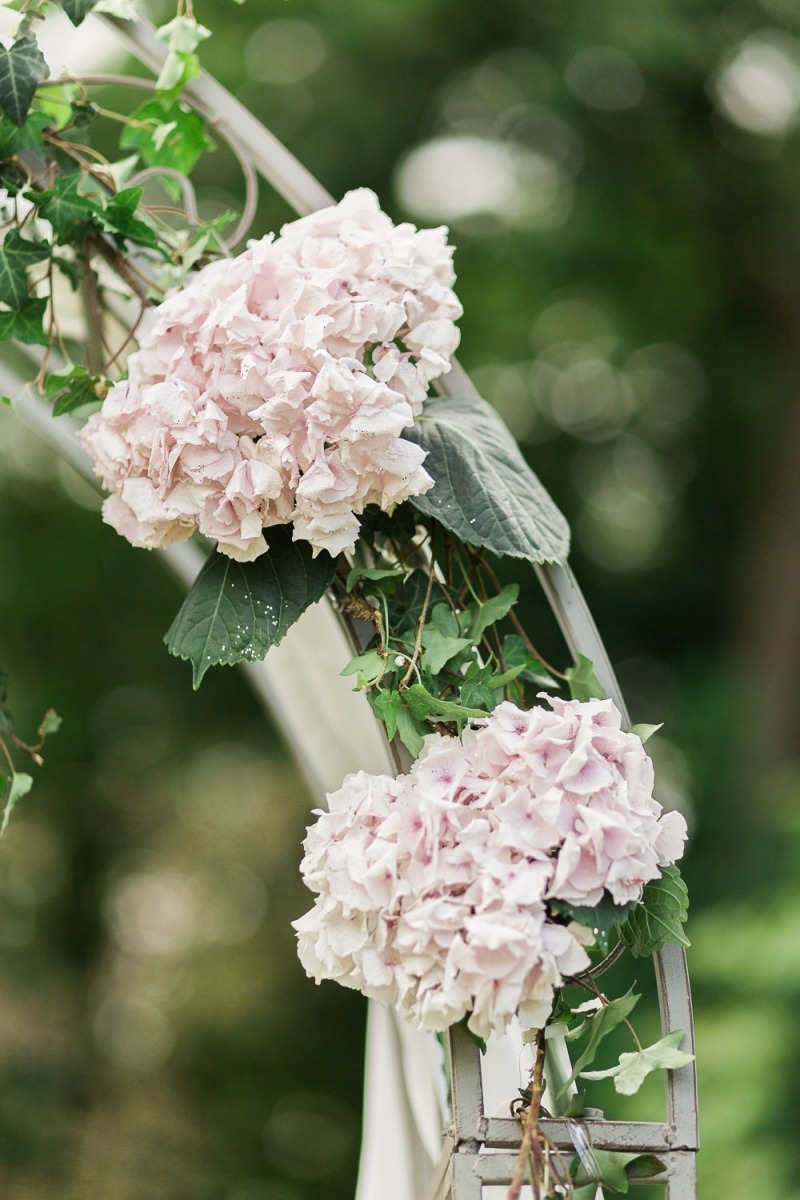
[235, 612]
[22, 69]
[658, 920]
[16, 255]
[484, 492]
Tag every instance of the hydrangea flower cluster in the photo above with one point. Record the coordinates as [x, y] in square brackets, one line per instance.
[434, 888]
[274, 387]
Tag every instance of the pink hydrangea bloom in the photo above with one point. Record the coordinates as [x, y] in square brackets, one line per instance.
[274, 387]
[433, 889]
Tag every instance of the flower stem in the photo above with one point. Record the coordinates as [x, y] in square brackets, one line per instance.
[420, 628]
[530, 1127]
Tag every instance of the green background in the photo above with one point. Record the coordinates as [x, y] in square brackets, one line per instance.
[620, 182]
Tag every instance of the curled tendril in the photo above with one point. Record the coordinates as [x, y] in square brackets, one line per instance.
[250, 178]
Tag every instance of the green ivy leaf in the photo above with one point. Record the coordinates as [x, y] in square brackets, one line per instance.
[126, 10]
[597, 1026]
[387, 705]
[120, 220]
[582, 682]
[167, 135]
[659, 917]
[645, 732]
[388, 578]
[439, 649]
[600, 917]
[576, 1107]
[191, 245]
[410, 730]
[28, 136]
[492, 610]
[405, 604]
[500, 681]
[368, 667]
[612, 1170]
[235, 612]
[14, 789]
[72, 388]
[58, 103]
[485, 492]
[51, 723]
[182, 34]
[632, 1069]
[16, 255]
[446, 621]
[76, 10]
[25, 325]
[65, 208]
[476, 690]
[516, 653]
[425, 706]
[22, 69]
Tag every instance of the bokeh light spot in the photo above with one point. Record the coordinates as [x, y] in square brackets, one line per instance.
[155, 912]
[452, 178]
[284, 51]
[759, 88]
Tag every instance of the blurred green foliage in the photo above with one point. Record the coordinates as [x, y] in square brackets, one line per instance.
[619, 180]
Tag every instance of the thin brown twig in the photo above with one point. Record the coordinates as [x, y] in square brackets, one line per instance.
[530, 1127]
[420, 629]
[94, 313]
[9, 759]
[514, 619]
[587, 982]
[125, 269]
[33, 751]
[124, 345]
